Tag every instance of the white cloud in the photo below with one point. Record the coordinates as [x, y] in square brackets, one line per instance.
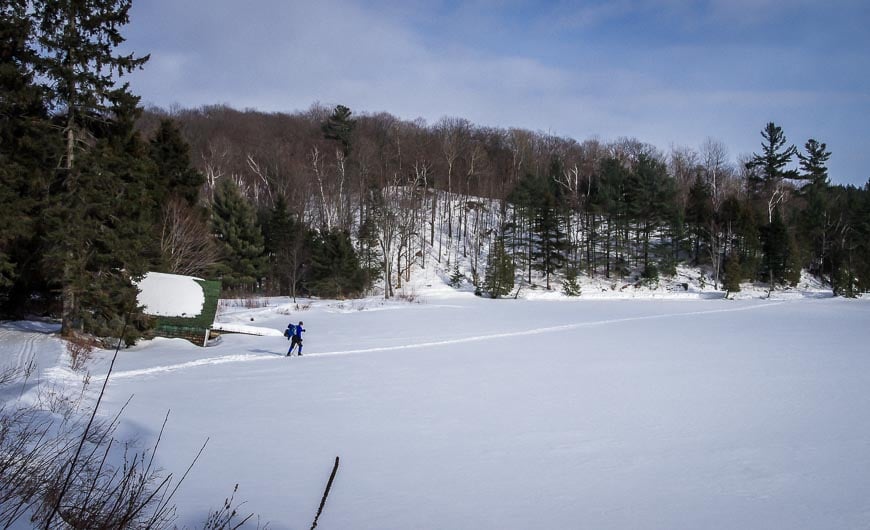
[285, 56]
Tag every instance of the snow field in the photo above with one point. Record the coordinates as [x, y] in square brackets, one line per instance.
[470, 413]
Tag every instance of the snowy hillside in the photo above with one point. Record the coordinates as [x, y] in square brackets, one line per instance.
[460, 412]
[428, 254]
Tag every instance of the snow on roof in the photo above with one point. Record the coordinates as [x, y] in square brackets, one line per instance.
[170, 295]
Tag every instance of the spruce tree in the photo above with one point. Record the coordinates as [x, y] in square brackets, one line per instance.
[571, 285]
[79, 42]
[81, 68]
[500, 269]
[175, 176]
[733, 274]
[335, 270]
[100, 232]
[240, 238]
[27, 152]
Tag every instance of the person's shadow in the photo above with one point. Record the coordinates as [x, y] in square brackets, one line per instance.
[269, 352]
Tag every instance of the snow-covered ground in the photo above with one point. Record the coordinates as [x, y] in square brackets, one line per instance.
[459, 412]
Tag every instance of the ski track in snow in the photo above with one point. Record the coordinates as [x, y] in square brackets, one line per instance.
[19, 348]
[538, 331]
[192, 364]
[478, 338]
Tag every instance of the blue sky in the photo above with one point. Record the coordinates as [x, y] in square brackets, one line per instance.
[669, 72]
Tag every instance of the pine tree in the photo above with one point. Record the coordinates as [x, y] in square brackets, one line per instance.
[814, 165]
[340, 127]
[239, 236]
[814, 222]
[500, 269]
[768, 168]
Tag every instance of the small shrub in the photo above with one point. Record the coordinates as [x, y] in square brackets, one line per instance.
[227, 517]
[456, 278]
[409, 296]
[650, 275]
[80, 348]
[571, 287]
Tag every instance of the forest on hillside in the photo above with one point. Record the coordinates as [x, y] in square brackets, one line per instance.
[329, 202]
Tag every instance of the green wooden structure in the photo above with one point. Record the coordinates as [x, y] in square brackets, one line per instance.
[195, 329]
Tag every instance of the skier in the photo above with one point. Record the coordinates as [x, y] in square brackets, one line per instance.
[296, 338]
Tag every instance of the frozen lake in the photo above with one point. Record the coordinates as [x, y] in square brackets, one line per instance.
[467, 413]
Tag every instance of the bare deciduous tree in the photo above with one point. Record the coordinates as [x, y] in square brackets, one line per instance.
[186, 242]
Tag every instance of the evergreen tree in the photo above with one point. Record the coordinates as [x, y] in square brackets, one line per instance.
[240, 238]
[571, 285]
[100, 232]
[609, 199]
[79, 40]
[814, 170]
[850, 251]
[176, 176]
[814, 221]
[26, 151]
[339, 127]
[768, 168]
[743, 237]
[371, 259]
[733, 274]
[537, 200]
[285, 246]
[699, 215]
[500, 269]
[780, 265]
[79, 63]
[552, 242]
[649, 197]
[335, 270]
